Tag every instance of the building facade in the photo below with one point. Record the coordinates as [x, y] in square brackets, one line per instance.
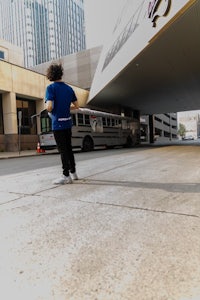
[22, 96]
[11, 53]
[45, 29]
[164, 127]
[79, 67]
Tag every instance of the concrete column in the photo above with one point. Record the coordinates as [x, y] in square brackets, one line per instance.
[10, 121]
[170, 127]
[151, 129]
[9, 113]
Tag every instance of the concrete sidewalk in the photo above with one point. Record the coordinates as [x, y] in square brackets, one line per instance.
[127, 230]
[5, 155]
[17, 154]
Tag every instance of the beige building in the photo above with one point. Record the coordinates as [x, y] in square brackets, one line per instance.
[11, 53]
[79, 67]
[21, 94]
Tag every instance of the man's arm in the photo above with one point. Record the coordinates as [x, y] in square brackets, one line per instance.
[74, 105]
[49, 105]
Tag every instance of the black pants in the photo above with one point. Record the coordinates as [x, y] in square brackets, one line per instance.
[63, 141]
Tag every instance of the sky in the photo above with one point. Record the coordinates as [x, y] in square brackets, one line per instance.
[100, 18]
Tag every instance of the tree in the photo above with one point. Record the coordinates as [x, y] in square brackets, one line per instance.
[182, 130]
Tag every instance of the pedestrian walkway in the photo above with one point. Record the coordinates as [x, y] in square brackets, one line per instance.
[127, 230]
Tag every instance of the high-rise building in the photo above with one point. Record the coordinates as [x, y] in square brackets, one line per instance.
[45, 29]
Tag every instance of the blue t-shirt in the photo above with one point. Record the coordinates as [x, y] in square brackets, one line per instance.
[62, 95]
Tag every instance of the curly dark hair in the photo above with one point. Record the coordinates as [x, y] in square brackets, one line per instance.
[54, 72]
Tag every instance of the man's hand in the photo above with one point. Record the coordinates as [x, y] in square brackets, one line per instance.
[74, 105]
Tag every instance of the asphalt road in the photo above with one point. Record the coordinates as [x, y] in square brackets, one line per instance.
[22, 164]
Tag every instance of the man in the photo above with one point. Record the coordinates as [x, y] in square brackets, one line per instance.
[60, 98]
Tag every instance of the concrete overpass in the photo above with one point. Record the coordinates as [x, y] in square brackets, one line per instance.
[152, 63]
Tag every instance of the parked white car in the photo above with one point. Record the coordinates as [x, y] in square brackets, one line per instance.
[188, 138]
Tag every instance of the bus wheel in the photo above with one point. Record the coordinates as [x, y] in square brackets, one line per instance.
[88, 144]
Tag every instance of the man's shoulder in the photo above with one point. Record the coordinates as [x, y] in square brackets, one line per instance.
[62, 87]
[50, 86]
[69, 88]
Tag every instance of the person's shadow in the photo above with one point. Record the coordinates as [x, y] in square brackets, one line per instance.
[169, 187]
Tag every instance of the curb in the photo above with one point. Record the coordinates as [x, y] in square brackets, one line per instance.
[9, 156]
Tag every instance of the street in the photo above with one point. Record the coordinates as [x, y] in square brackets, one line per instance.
[21, 164]
[127, 230]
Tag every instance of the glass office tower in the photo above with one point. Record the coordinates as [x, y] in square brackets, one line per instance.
[45, 29]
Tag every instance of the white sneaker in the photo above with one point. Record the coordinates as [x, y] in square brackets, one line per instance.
[74, 176]
[63, 180]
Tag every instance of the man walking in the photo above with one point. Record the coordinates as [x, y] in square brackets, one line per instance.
[60, 98]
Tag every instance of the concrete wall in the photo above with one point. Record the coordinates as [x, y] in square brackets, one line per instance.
[13, 53]
[79, 68]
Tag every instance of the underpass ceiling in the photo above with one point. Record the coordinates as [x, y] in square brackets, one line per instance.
[165, 76]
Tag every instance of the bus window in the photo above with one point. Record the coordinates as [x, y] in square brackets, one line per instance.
[45, 124]
[116, 123]
[108, 122]
[80, 119]
[74, 119]
[104, 121]
[112, 122]
[87, 120]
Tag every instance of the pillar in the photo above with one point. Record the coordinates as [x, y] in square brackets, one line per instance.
[151, 129]
[10, 121]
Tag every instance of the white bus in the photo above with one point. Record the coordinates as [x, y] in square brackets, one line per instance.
[92, 128]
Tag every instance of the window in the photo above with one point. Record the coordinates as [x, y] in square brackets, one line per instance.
[2, 56]
[45, 124]
[87, 120]
[104, 121]
[74, 120]
[108, 122]
[1, 116]
[158, 119]
[80, 119]
[165, 123]
[28, 108]
[112, 122]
